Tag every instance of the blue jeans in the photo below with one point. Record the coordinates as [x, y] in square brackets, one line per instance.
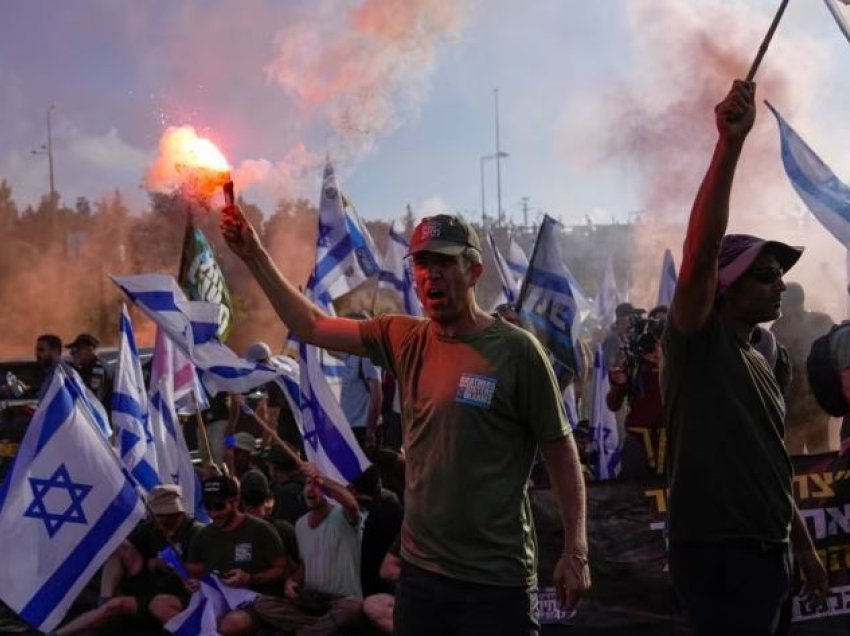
[732, 587]
[428, 604]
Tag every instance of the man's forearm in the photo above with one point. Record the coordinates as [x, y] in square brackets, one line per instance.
[270, 575]
[801, 540]
[564, 469]
[343, 496]
[710, 213]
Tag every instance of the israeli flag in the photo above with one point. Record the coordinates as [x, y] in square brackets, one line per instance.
[172, 454]
[192, 327]
[546, 304]
[134, 440]
[207, 606]
[328, 438]
[396, 274]
[345, 253]
[508, 276]
[65, 507]
[823, 193]
[607, 297]
[667, 283]
[840, 10]
[604, 423]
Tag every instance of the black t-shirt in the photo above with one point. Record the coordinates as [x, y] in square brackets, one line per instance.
[149, 541]
[289, 503]
[287, 427]
[381, 528]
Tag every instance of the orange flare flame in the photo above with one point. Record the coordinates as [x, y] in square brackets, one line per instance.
[189, 163]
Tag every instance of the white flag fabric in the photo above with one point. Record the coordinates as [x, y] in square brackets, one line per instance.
[328, 438]
[345, 253]
[65, 507]
[607, 297]
[133, 440]
[827, 197]
[510, 282]
[207, 606]
[604, 423]
[840, 10]
[396, 274]
[192, 326]
[667, 282]
[172, 455]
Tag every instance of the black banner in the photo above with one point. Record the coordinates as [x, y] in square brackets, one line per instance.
[631, 585]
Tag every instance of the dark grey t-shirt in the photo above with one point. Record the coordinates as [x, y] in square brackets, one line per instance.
[728, 471]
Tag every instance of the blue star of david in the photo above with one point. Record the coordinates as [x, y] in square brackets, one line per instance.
[60, 480]
[146, 428]
[175, 478]
[324, 235]
[312, 436]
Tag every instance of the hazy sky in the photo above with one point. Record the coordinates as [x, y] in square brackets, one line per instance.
[597, 98]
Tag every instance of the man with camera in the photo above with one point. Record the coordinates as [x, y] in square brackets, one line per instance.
[636, 382]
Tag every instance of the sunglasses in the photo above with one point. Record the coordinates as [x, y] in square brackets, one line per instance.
[766, 275]
[216, 505]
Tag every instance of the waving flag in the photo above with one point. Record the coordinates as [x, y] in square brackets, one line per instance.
[607, 297]
[510, 282]
[172, 455]
[202, 278]
[207, 606]
[840, 10]
[134, 440]
[328, 439]
[517, 261]
[192, 327]
[65, 507]
[667, 284]
[822, 192]
[604, 423]
[345, 255]
[396, 274]
[546, 304]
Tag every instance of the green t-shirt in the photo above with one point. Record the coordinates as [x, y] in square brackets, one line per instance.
[728, 471]
[251, 547]
[473, 410]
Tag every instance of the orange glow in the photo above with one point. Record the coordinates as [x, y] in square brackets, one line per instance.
[189, 163]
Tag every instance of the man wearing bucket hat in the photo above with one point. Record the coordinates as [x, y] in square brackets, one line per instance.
[478, 395]
[731, 515]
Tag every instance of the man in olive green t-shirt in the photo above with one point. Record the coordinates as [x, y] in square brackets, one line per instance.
[477, 395]
[730, 511]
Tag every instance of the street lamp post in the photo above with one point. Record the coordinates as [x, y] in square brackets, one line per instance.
[498, 161]
[497, 156]
[47, 149]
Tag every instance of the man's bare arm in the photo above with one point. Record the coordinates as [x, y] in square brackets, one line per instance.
[572, 572]
[695, 289]
[294, 309]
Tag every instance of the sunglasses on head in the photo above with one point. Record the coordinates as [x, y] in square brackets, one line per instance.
[766, 275]
[215, 504]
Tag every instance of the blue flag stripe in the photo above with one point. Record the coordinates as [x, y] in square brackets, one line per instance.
[55, 588]
[124, 403]
[58, 410]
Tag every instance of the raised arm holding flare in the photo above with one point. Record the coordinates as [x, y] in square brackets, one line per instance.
[732, 520]
[479, 397]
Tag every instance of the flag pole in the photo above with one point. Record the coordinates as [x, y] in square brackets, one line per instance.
[293, 454]
[202, 430]
[521, 296]
[766, 41]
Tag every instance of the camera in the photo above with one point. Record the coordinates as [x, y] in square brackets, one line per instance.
[642, 339]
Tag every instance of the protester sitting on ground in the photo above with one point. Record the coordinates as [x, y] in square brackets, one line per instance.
[94, 373]
[806, 423]
[383, 516]
[135, 581]
[391, 469]
[325, 592]
[243, 550]
[287, 485]
[257, 500]
[378, 608]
